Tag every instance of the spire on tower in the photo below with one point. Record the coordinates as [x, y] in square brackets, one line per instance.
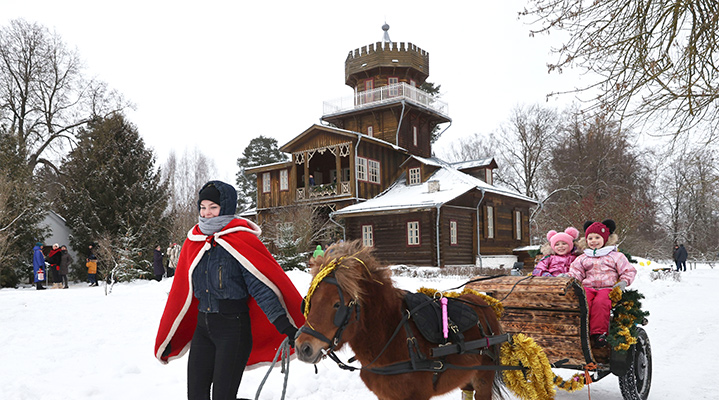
[386, 38]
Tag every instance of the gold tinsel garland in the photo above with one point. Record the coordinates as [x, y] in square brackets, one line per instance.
[538, 383]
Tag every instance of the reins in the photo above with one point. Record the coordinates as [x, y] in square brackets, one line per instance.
[283, 350]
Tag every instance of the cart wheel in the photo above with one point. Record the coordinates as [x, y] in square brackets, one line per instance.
[635, 384]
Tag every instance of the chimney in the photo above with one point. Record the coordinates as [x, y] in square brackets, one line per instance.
[433, 186]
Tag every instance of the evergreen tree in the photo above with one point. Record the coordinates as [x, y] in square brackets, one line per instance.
[111, 187]
[261, 150]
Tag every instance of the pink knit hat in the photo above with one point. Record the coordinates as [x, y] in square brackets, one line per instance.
[567, 236]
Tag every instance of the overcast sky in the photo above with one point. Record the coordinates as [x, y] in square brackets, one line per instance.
[215, 74]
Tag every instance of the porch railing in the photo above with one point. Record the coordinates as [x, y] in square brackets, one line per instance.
[386, 94]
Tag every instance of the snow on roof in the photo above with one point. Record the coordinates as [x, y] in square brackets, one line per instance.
[472, 163]
[402, 197]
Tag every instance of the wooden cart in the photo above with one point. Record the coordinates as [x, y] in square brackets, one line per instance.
[553, 311]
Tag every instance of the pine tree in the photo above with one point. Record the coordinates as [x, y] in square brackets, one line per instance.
[261, 150]
[111, 187]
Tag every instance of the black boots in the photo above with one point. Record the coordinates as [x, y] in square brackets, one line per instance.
[39, 286]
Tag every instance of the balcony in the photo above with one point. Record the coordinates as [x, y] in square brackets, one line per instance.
[386, 94]
[324, 191]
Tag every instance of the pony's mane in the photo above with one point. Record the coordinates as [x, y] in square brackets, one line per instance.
[352, 263]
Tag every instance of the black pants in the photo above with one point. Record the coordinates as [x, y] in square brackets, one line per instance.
[219, 352]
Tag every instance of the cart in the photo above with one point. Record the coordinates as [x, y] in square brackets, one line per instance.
[553, 312]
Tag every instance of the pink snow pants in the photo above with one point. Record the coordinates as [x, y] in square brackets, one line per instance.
[599, 308]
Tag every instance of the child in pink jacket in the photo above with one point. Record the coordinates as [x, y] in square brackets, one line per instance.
[559, 254]
[600, 269]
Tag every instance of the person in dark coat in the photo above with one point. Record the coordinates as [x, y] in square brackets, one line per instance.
[54, 257]
[680, 257]
[38, 266]
[65, 261]
[157, 265]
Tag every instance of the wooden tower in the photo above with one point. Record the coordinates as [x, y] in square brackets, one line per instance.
[387, 102]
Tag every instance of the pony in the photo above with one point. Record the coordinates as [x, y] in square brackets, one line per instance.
[352, 300]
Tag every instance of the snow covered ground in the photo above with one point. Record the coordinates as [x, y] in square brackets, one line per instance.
[80, 344]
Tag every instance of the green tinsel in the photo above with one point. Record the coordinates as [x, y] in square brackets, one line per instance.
[627, 314]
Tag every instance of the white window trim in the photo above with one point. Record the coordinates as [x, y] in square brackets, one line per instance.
[518, 224]
[370, 131]
[452, 232]
[367, 236]
[373, 171]
[284, 180]
[414, 135]
[490, 222]
[361, 169]
[266, 183]
[415, 176]
[488, 176]
[413, 233]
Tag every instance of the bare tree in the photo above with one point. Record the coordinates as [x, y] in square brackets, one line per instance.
[44, 96]
[473, 147]
[523, 145]
[651, 59]
[185, 177]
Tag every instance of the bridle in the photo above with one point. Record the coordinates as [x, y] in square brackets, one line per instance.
[341, 319]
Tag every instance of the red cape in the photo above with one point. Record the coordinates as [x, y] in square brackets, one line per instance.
[179, 319]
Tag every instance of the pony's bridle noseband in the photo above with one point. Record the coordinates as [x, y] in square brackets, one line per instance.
[341, 319]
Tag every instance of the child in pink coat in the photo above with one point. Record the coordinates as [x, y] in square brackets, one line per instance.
[560, 253]
[600, 269]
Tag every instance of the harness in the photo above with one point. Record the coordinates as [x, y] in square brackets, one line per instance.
[423, 310]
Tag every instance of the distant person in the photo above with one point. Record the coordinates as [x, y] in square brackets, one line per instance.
[65, 261]
[231, 304]
[173, 255]
[312, 180]
[54, 258]
[318, 251]
[680, 257]
[559, 253]
[91, 264]
[157, 264]
[38, 266]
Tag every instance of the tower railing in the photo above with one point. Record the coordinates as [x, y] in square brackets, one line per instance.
[386, 94]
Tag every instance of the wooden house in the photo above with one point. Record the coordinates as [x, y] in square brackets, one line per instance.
[370, 168]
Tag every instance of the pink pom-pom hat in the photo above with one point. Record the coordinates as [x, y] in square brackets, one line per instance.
[568, 236]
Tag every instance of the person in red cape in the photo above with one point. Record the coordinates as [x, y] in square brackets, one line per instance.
[231, 305]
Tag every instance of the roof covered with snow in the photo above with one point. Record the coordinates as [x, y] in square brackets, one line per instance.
[400, 197]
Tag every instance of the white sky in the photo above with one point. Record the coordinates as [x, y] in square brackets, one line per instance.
[215, 74]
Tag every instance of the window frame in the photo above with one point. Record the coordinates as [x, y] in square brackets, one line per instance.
[393, 91]
[266, 182]
[415, 172]
[361, 168]
[284, 180]
[489, 221]
[367, 235]
[453, 232]
[413, 226]
[378, 165]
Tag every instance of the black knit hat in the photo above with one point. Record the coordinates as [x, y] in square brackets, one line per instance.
[210, 192]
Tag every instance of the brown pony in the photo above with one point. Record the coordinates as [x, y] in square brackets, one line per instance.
[350, 285]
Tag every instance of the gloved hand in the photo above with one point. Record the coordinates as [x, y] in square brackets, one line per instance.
[291, 331]
[621, 285]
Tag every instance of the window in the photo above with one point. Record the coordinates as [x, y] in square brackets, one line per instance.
[373, 171]
[393, 90]
[367, 236]
[414, 135]
[284, 180]
[370, 131]
[412, 83]
[368, 86]
[361, 169]
[452, 232]
[415, 177]
[518, 225]
[266, 182]
[490, 222]
[488, 176]
[413, 233]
